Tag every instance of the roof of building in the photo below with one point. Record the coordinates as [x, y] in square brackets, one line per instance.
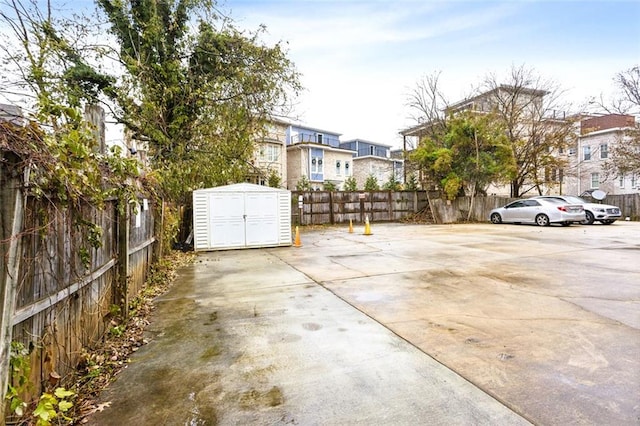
[294, 123]
[419, 128]
[11, 113]
[414, 130]
[366, 141]
[605, 122]
[319, 146]
[502, 87]
[377, 158]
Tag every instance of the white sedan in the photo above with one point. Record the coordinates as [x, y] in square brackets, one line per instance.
[542, 212]
[603, 213]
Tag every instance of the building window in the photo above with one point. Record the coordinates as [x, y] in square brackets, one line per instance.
[586, 153]
[316, 161]
[604, 150]
[270, 153]
[572, 151]
[316, 165]
[634, 181]
[595, 180]
[347, 169]
[371, 150]
[338, 168]
[557, 175]
[319, 137]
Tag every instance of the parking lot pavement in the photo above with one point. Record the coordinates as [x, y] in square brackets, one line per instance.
[415, 324]
[547, 320]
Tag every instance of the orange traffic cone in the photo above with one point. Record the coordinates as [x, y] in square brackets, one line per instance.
[297, 242]
[367, 226]
[350, 226]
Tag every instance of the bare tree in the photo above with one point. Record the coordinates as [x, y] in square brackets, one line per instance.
[625, 154]
[626, 100]
[427, 106]
[629, 84]
[533, 116]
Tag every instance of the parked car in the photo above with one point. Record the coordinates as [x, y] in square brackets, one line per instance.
[603, 213]
[542, 212]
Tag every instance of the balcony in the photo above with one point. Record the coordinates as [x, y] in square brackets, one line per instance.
[315, 138]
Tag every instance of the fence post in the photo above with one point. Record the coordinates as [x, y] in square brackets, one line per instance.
[158, 230]
[121, 292]
[11, 220]
[331, 219]
[300, 208]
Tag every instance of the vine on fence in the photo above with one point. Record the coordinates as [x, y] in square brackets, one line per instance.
[63, 169]
[50, 406]
[19, 377]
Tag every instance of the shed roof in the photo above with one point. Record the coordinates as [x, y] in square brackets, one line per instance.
[241, 187]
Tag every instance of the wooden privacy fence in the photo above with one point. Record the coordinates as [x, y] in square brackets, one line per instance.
[72, 269]
[325, 207]
[458, 210]
[629, 204]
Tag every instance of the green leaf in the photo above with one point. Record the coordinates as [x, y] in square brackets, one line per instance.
[41, 412]
[64, 406]
[62, 393]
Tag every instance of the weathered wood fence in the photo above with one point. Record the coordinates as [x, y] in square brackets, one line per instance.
[63, 273]
[629, 204]
[458, 210]
[325, 207]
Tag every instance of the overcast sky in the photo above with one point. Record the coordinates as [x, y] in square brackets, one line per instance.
[359, 59]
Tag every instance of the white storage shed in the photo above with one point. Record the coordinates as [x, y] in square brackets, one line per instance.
[242, 215]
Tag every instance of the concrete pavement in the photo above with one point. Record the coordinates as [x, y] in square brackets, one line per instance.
[415, 324]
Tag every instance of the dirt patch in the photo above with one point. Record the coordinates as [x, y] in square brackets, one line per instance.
[252, 398]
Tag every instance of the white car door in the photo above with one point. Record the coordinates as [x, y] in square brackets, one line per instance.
[513, 211]
[530, 210]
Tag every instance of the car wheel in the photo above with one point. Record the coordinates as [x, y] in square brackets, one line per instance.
[607, 222]
[589, 218]
[542, 220]
[496, 218]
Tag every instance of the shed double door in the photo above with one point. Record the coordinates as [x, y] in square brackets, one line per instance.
[243, 219]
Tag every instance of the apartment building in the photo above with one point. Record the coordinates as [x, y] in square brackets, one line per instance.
[586, 160]
[315, 155]
[373, 159]
[529, 121]
[270, 156]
